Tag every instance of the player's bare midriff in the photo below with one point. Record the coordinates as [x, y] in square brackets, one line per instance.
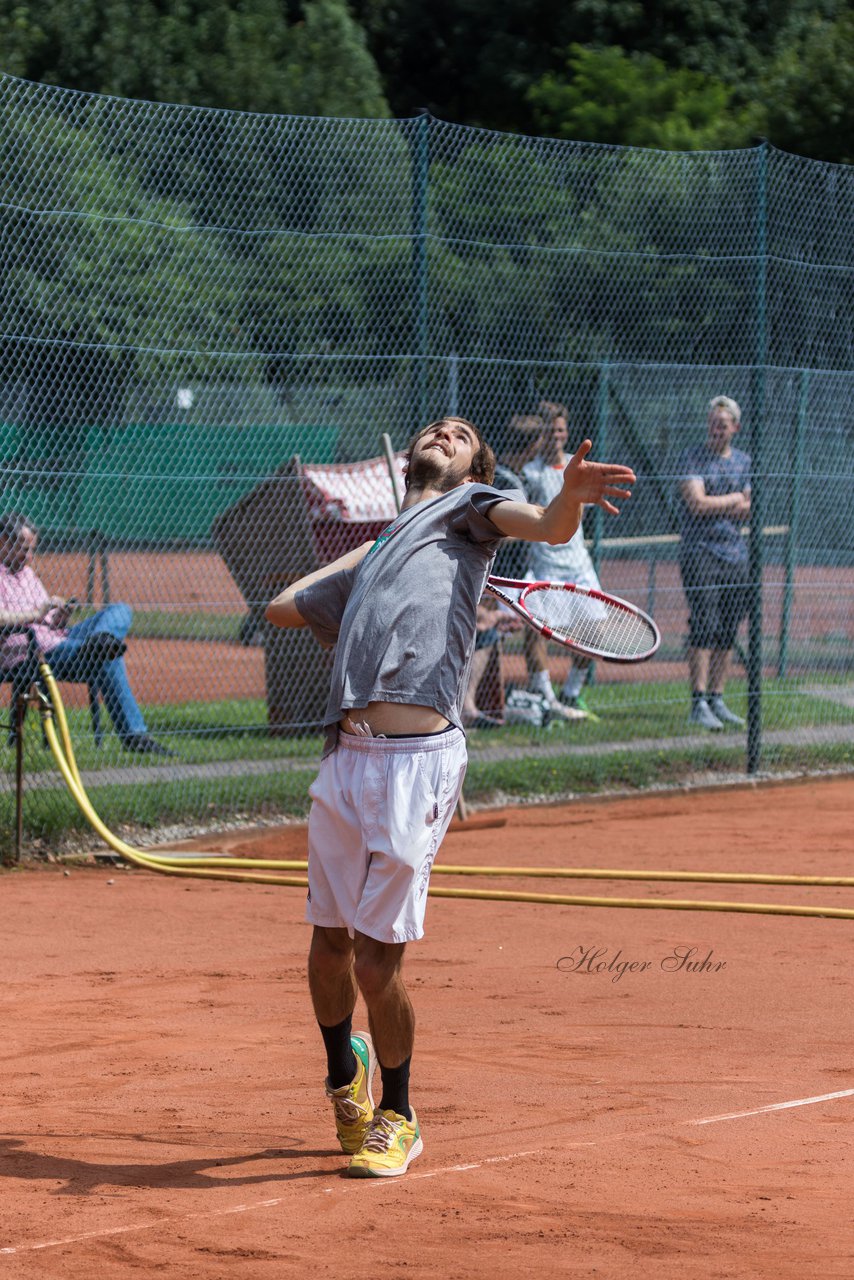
[393, 717]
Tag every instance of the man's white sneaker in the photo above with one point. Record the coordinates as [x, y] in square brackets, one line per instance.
[559, 711]
[702, 714]
[719, 708]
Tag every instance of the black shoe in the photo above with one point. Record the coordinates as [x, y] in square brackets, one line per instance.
[102, 647]
[144, 744]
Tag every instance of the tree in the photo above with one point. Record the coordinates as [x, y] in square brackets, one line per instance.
[607, 95]
[103, 283]
[329, 70]
[241, 54]
[425, 51]
[807, 98]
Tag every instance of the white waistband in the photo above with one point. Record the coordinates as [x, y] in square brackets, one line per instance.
[426, 742]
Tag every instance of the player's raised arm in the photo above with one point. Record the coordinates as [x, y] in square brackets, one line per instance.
[584, 483]
[283, 612]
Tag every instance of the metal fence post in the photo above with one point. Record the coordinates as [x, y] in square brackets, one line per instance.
[756, 559]
[91, 566]
[794, 518]
[600, 448]
[650, 581]
[18, 721]
[105, 568]
[420, 295]
[453, 384]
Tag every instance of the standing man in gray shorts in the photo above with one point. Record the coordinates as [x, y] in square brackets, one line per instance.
[401, 613]
[715, 491]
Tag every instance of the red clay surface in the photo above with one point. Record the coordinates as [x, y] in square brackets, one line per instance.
[164, 1108]
[168, 671]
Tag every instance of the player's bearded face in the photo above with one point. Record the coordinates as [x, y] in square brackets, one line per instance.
[430, 470]
[441, 462]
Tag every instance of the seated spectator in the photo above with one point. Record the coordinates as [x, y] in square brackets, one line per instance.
[90, 651]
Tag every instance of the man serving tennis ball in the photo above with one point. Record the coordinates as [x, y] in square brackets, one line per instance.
[402, 614]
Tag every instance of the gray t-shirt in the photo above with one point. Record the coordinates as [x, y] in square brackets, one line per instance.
[719, 535]
[404, 619]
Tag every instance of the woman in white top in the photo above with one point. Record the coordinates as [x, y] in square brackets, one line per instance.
[567, 562]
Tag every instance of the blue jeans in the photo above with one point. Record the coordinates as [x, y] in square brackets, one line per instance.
[111, 678]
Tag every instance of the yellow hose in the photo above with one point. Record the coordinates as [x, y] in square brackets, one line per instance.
[672, 904]
[136, 856]
[543, 873]
[223, 868]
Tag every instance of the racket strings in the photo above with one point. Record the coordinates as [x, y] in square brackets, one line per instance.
[589, 622]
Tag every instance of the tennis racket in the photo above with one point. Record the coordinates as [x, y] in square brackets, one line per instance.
[581, 619]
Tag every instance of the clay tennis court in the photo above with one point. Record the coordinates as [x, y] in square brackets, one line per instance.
[163, 1077]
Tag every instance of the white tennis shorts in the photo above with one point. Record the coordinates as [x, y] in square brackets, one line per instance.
[380, 808]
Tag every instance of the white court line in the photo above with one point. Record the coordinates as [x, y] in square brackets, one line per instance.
[141, 1226]
[461, 1168]
[777, 1106]
[414, 1177]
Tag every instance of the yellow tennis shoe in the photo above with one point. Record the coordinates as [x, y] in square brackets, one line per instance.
[390, 1145]
[353, 1103]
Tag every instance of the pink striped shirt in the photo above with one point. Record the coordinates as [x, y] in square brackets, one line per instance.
[20, 592]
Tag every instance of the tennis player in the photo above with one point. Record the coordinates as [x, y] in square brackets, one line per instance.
[401, 613]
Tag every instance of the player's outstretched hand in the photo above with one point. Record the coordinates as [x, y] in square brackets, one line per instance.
[596, 482]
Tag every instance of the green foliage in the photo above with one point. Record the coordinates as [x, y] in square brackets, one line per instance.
[588, 255]
[241, 54]
[329, 69]
[424, 51]
[607, 95]
[721, 38]
[807, 91]
[341, 256]
[99, 261]
[778, 66]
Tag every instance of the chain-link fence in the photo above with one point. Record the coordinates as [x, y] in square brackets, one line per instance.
[199, 304]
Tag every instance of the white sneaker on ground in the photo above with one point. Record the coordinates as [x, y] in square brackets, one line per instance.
[702, 714]
[719, 708]
[557, 710]
[579, 702]
[561, 712]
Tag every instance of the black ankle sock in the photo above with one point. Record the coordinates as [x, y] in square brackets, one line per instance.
[340, 1058]
[396, 1089]
[697, 695]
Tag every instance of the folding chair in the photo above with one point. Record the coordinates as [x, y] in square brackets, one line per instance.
[20, 678]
